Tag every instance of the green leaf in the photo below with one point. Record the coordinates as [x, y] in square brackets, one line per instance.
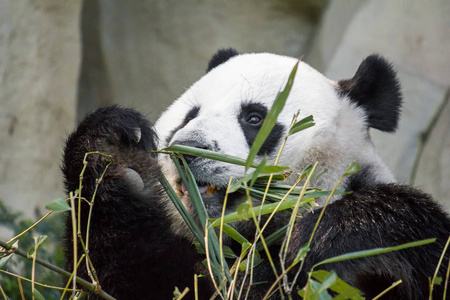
[243, 264]
[38, 295]
[437, 281]
[234, 234]
[31, 252]
[353, 168]
[328, 282]
[344, 290]
[371, 252]
[235, 185]
[301, 254]
[228, 252]
[181, 149]
[271, 119]
[302, 124]
[58, 205]
[265, 209]
[176, 293]
[243, 211]
[258, 170]
[39, 239]
[182, 210]
[4, 260]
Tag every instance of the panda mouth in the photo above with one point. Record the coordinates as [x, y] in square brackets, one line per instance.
[203, 188]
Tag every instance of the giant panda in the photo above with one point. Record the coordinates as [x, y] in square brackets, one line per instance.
[139, 245]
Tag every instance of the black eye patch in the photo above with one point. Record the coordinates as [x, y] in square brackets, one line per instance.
[251, 118]
[192, 114]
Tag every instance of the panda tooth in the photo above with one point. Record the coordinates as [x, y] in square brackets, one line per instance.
[210, 189]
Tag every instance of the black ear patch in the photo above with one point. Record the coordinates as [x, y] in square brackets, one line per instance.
[375, 88]
[221, 56]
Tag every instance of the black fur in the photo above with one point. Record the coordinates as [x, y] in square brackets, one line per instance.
[249, 110]
[132, 248]
[220, 57]
[381, 216]
[375, 88]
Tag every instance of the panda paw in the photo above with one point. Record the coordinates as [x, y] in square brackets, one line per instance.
[114, 134]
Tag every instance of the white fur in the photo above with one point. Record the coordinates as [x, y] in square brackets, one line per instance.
[339, 136]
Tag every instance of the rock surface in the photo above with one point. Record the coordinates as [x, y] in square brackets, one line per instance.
[414, 36]
[39, 62]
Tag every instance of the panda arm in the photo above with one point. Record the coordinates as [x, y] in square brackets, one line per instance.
[381, 216]
[131, 245]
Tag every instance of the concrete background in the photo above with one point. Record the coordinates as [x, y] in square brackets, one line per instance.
[61, 59]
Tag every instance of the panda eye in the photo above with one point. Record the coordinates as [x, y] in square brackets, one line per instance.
[254, 119]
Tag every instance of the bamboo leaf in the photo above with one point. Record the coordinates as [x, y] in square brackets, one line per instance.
[58, 205]
[302, 124]
[38, 295]
[234, 234]
[198, 233]
[31, 252]
[265, 209]
[328, 282]
[243, 211]
[4, 260]
[258, 170]
[181, 149]
[344, 290]
[243, 265]
[301, 254]
[353, 168]
[371, 252]
[271, 119]
[39, 239]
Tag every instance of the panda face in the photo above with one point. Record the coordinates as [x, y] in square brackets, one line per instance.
[224, 110]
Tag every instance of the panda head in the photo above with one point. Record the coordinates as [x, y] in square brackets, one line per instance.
[224, 110]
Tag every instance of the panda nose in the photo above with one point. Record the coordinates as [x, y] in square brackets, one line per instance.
[191, 143]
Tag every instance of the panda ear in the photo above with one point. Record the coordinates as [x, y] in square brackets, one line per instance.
[376, 89]
[221, 56]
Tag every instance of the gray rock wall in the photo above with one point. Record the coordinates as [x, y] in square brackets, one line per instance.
[153, 50]
[39, 63]
[415, 36]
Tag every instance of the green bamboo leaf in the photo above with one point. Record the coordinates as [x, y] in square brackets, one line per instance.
[234, 234]
[181, 149]
[4, 260]
[258, 170]
[302, 124]
[30, 252]
[353, 168]
[235, 185]
[198, 233]
[58, 205]
[437, 281]
[39, 239]
[328, 282]
[344, 290]
[265, 209]
[243, 211]
[243, 265]
[275, 177]
[371, 252]
[271, 119]
[37, 295]
[301, 254]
